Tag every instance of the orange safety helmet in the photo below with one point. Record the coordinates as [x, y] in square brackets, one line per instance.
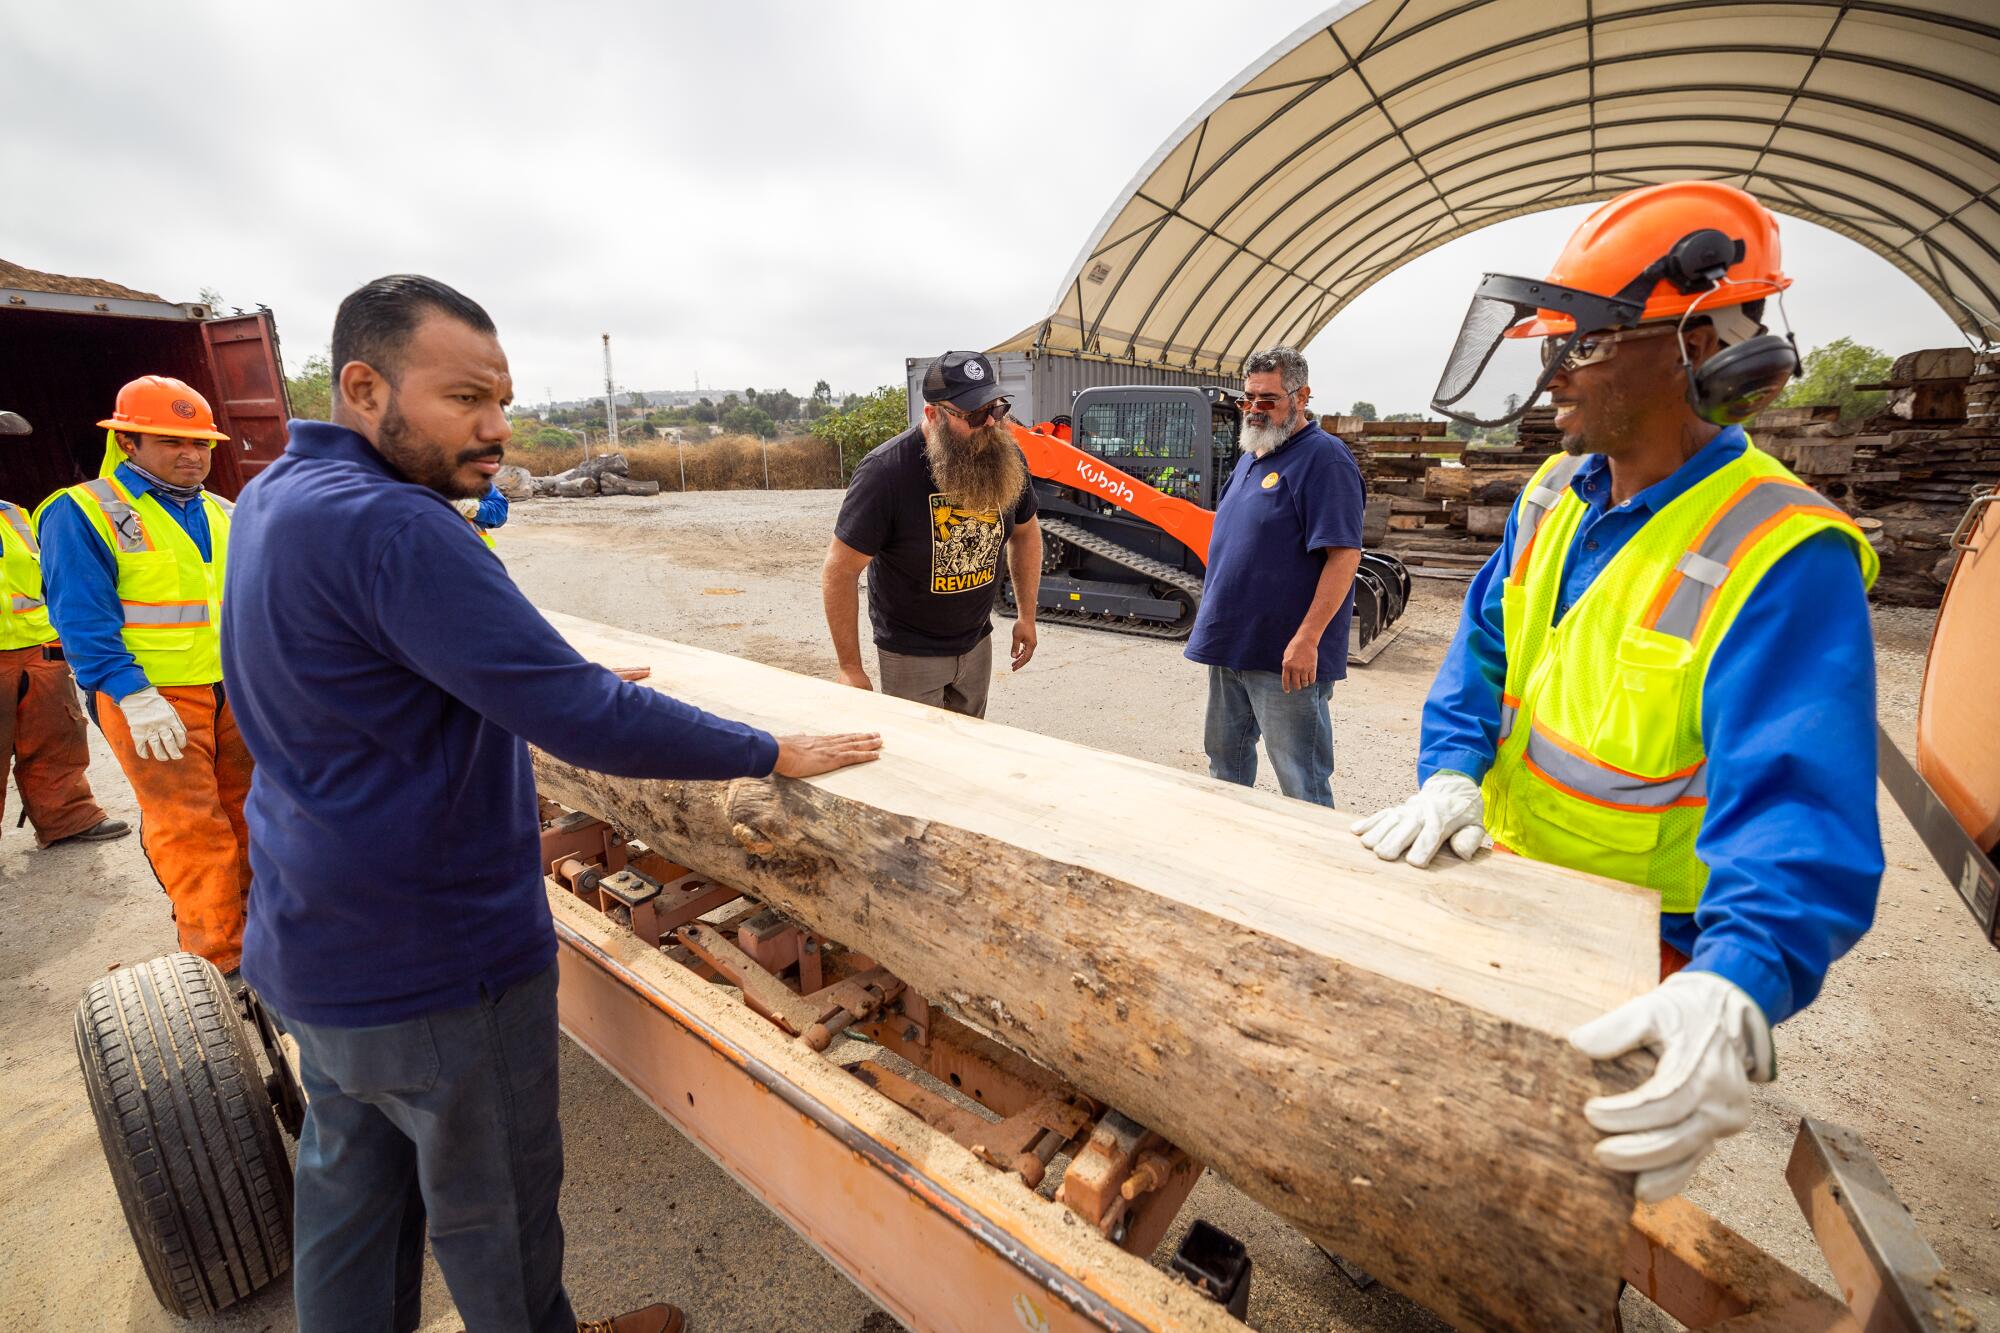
[1625, 236]
[162, 405]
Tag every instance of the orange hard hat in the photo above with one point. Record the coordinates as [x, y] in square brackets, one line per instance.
[1626, 235]
[162, 405]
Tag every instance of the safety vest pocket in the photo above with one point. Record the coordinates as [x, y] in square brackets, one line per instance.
[1569, 823]
[1639, 729]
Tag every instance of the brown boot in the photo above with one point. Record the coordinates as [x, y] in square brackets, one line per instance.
[651, 1319]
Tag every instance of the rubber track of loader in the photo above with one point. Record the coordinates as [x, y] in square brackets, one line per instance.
[1156, 570]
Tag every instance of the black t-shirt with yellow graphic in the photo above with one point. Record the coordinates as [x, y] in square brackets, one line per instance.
[936, 566]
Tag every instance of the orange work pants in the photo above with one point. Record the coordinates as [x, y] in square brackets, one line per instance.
[191, 818]
[42, 728]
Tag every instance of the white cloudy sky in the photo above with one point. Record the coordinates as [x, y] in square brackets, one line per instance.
[762, 192]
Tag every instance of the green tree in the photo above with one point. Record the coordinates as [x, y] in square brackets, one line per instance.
[637, 399]
[1364, 409]
[311, 390]
[749, 420]
[866, 423]
[1832, 371]
[211, 298]
[1402, 416]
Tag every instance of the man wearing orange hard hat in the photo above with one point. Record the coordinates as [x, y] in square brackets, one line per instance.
[134, 561]
[1666, 674]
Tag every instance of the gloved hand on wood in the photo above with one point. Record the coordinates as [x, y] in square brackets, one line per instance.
[1712, 1043]
[1447, 808]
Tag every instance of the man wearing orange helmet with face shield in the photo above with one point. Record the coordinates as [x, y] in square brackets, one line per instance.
[134, 561]
[1666, 673]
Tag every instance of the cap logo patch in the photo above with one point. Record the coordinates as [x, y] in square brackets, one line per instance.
[183, 409]
[1270, 480]
[973, 370]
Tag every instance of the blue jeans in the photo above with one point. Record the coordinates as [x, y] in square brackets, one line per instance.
[448, 1119]
[1297, 729]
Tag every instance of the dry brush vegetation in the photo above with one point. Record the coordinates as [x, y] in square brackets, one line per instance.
[725, 463]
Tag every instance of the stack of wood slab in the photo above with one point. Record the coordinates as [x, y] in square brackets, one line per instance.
[1374, 1052]
[1906, 472]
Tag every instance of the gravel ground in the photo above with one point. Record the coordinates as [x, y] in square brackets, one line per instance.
[1901, 1046]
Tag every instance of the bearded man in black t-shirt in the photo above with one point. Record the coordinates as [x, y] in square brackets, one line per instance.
[928, 513]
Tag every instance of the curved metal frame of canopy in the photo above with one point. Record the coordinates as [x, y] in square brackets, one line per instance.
[1387, 128]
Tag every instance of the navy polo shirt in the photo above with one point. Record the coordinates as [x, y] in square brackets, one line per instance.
[1278, 518]
[388, 678]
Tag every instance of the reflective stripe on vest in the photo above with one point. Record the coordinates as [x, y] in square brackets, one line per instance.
[1682, 605]
[165, 613]
[1568, 766]
[1535, 506]
[22, 528]
[24, 618]
[124, 520]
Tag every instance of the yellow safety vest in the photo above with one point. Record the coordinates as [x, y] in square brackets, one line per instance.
[1601, 765]
[171, 597]
[24, 620]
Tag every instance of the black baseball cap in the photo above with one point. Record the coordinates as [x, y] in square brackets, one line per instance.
[966, 380]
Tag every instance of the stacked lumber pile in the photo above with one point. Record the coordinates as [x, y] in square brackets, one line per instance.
[1906, 473]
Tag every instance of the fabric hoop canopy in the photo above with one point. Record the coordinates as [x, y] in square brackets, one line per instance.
[1388, 128]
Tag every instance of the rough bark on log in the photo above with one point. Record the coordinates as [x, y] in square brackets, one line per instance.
[516, 483]
[574, 488]
[1372, 1051]
[613, 484]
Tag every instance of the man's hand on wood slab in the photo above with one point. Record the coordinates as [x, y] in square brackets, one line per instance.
[806, 756]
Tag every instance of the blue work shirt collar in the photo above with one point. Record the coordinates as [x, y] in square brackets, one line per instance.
[1592, 482]
[323, 439]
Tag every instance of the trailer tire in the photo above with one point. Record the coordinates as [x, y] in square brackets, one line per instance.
[188, 1132]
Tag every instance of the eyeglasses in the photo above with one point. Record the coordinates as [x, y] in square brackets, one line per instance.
[1593, 348]
[996, 410]
[1265, 402]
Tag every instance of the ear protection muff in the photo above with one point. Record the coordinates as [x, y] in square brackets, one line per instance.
[1739, 382]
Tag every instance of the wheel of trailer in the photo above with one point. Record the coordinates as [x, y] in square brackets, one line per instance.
[188, 1132]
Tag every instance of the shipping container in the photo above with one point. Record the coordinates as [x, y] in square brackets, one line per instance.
[65, 353]
[1042, 387]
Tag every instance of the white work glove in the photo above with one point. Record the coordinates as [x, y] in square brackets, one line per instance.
[157, 731]
[1446, 808]
[469, 509]
[1712, 1043]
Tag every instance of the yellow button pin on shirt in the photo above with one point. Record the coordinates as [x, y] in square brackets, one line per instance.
[1270, 480]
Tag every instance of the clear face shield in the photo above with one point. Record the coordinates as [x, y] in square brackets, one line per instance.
[1498, 368]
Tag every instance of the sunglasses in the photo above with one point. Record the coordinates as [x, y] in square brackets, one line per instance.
[994, 411]
[1594, 348]
[1265, 402]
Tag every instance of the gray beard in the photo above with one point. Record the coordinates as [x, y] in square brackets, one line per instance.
[985, 474]
[1261, 440]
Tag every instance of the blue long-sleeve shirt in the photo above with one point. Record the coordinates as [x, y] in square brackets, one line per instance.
[388, 678]
[1790, 836]
[80, 578]
[492, 509]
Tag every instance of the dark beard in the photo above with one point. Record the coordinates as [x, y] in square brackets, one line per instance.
[424, 463]
[984, 474]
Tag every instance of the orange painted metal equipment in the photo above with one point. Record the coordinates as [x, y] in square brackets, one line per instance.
[1952, 795]
[1052, 457]
[941, 1145]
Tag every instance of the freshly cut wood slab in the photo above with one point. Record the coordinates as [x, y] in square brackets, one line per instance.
[1374, 1052]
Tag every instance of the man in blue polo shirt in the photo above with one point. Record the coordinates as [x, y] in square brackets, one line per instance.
[388, 677]
[1272, 629]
